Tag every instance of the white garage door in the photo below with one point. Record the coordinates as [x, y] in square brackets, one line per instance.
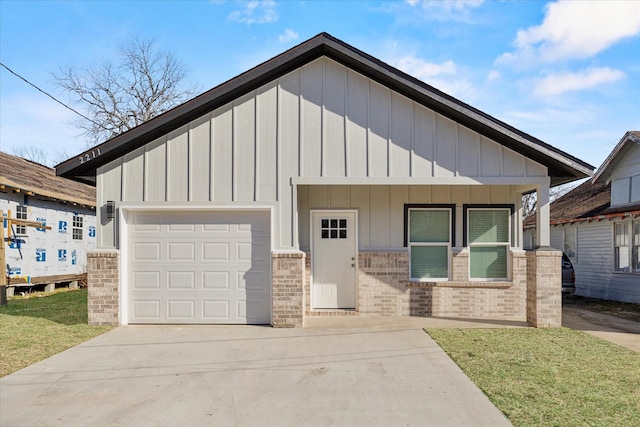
[199, 267]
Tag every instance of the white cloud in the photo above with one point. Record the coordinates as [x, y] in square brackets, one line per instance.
[443, 76]
[575, 29]
[256, 12]
[422, 69]
[494, 75]
[436, 10]
[447, 5]
[287, 36]
[557, 84]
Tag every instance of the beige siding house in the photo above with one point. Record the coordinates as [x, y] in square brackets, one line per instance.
[321, 182]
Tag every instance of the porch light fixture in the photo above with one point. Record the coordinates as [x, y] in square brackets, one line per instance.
[111, 209]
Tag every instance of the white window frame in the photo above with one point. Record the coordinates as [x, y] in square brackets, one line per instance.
[631, 250]
[570, 246]
[510, 211]
[77, 229]
[21, 213]
[410, 244]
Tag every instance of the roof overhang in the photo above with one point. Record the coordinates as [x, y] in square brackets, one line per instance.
[562, 167]
[604, 171]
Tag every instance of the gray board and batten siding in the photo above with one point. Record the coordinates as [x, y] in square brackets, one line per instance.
[320, 124]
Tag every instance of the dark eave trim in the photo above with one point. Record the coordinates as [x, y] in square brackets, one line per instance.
[562, 166]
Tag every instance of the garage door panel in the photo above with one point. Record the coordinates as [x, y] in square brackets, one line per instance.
[146, 309]
[216, 280]
[181, 280]
[181, 309]
[251, 280]
[215, 228]
[181, 251]
[215, 310]
[216, 251]
[200, 267]
[149, 280]
[181, 228]
[147, 251]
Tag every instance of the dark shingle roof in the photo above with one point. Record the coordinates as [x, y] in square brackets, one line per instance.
[592, 199]
[18, 174]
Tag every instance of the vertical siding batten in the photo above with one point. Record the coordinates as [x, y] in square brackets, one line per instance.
[357, 123]
[199, 159]
[333, 120]
[177, 165]
[223, 153]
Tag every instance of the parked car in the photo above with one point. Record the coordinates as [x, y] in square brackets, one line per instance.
[568, 276]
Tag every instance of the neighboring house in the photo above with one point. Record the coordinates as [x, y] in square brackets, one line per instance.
[321, 182]
[598, 226]
[30, 191]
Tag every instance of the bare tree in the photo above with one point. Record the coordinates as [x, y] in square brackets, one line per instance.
[529, 200]
[32, 153]
[144, 83]
[39, 155]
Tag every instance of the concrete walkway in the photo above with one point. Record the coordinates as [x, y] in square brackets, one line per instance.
[390, 374]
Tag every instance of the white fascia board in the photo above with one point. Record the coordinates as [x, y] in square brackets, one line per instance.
[457, 180]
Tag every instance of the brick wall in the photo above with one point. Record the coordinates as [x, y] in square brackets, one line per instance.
[466, 299]
[384, 289]
[288, 278]
[384, 284]
[103, 283]
[544, 288]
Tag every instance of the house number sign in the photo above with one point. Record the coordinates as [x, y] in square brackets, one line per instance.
[89, 155]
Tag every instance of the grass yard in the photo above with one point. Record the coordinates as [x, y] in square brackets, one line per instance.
[38, 326]
[549, 377]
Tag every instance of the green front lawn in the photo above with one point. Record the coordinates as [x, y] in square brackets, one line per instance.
[38, 326]
[549, 377]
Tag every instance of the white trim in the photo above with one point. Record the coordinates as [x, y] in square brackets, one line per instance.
[434, 244]
[356, 251]
[507, 245]
[456, 180]
[125, 209]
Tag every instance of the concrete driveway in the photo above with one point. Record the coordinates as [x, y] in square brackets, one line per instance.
[620, 331]
[243, 376]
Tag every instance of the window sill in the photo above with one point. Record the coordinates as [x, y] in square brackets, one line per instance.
[627, 273]
[474, 285]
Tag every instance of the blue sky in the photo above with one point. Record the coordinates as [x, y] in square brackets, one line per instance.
[566, 72]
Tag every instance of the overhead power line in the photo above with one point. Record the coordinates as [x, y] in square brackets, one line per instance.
[51, 96]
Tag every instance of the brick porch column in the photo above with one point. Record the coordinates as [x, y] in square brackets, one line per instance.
[544, 288]
[103, 284]
[288, 289]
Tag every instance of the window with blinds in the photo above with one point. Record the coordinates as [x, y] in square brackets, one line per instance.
[620, 191]
[570, 238]
[429, 240]
[489, 239]
[626, 246]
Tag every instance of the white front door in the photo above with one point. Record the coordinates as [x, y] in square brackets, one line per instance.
[334, 259]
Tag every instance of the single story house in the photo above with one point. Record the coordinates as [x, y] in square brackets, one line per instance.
[321, 182]
[597, 225]
[36, 256]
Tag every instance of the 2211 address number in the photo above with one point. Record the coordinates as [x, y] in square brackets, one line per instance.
[89, 156]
